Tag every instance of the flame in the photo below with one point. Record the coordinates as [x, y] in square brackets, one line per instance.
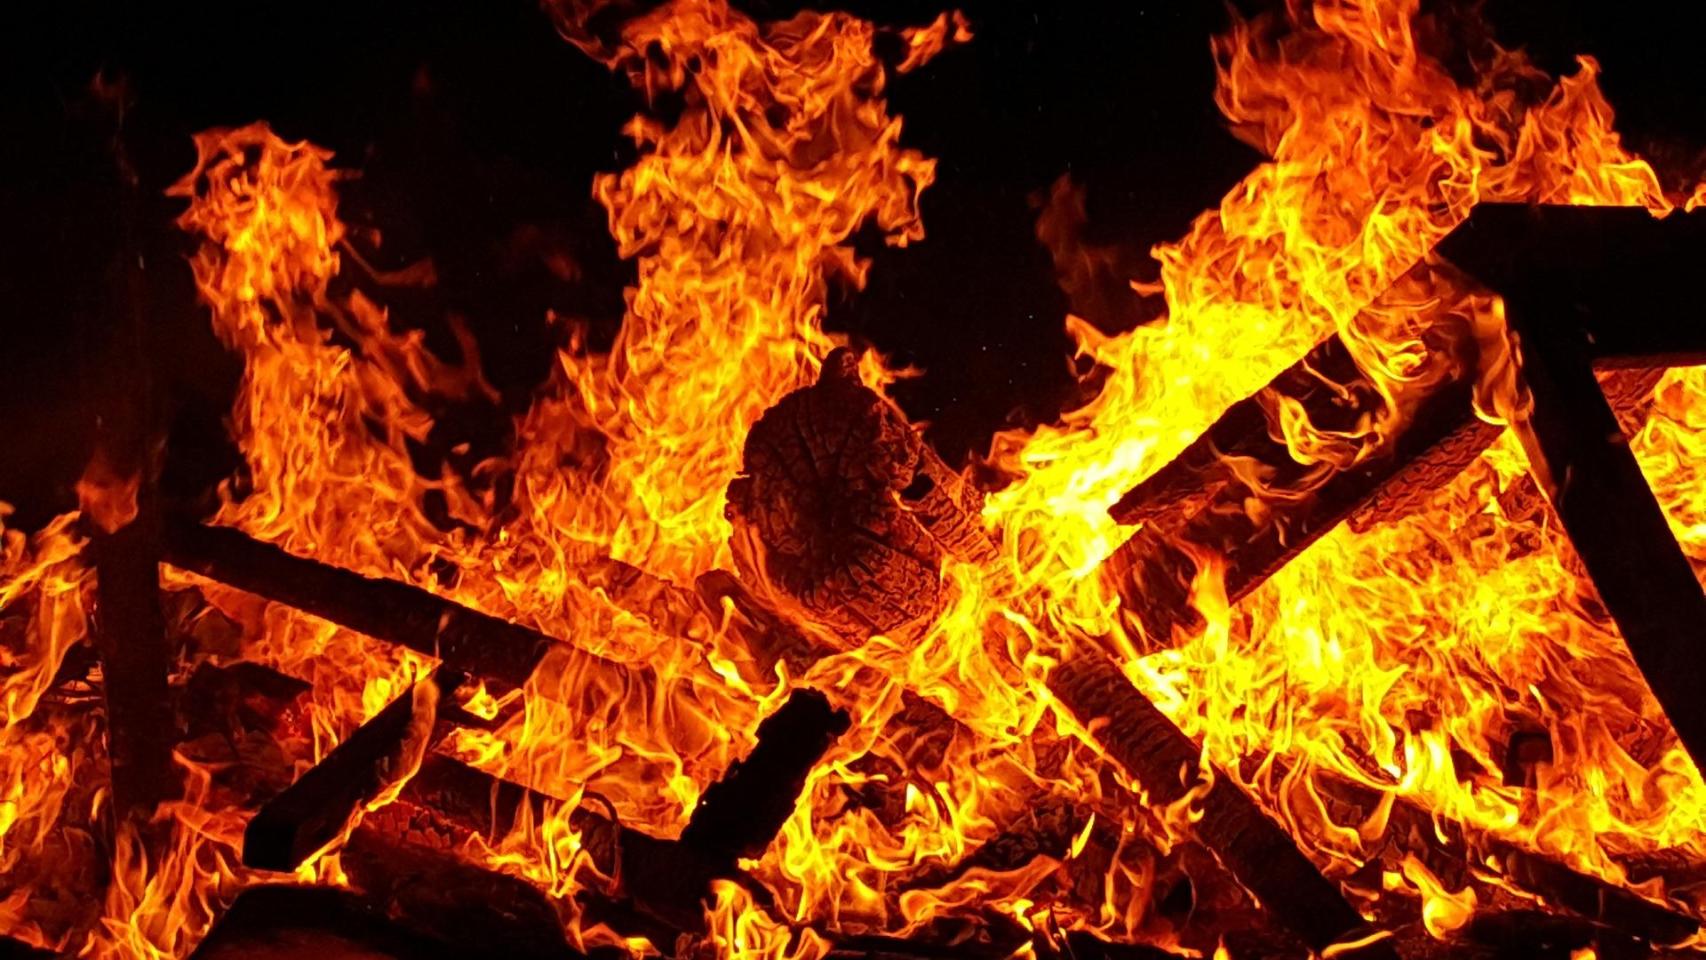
[1400, 658]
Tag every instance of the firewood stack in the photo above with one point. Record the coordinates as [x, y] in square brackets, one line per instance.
[843, 519]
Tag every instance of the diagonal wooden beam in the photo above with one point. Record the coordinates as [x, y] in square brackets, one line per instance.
[465, 639]
[319, 806]
[1167, 765]
[1617, 285]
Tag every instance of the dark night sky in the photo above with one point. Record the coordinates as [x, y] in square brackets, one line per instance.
[471, 118]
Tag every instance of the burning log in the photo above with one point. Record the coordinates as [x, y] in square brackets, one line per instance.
[466, 640]
[314, 810]
[845, 508]
[1202, 499]
[1452, 854]
[740, 814]
[1166, 764]
[1596, 269]
[445, 897]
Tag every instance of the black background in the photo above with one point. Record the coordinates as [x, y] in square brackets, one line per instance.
[478, 131]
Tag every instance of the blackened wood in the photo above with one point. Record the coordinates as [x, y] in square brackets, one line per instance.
[130, 629]
[1614, 284]
[315, 809]
[439, 894]
[465, 639]
[1584, 464]
[740, 814]
[1455, 856]
[1199, 502]
[1167, 765]
[1626, 280]
[664, 882]
[130, 633]
[844, 507]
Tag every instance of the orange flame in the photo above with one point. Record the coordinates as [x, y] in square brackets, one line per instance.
[1399, 658]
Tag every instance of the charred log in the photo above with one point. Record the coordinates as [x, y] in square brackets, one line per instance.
[1205, 499]
[740, 814]
[844, 507]
[1167, 765]
[1455, 856]
[315, 809]
[447, 898]
[465, 639]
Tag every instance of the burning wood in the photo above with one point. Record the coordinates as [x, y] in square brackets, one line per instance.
[318, 808]
[706, 528]
[466, 640]
[846, 510]
[1167, 765]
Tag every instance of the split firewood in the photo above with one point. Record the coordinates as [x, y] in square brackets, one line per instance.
[465, 639]
[1240, 492]
[1457, 856]
[1167, 765]
[741, 813]
[321, 804]
[844, 507]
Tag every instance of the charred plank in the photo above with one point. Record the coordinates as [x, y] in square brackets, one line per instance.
[465, 639]
[1564, 307]
[1167, 765]
[130, 633]
[740, 814]
[1622, 279]
[314, 810]
[1202, 500]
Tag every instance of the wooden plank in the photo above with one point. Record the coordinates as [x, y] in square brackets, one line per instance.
[1627, 281]
[741, 813]
[1166, 764]
[465, 639]
[1584, 464]
[319, 806]
[130, 634]
[1198, 502]
[1580, 285]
